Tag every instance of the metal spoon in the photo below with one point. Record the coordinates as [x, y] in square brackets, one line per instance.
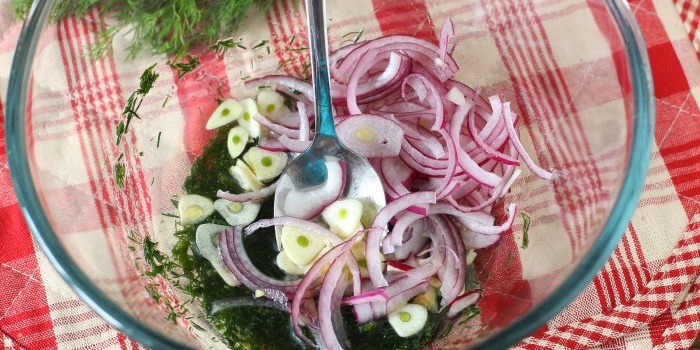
[309, 168]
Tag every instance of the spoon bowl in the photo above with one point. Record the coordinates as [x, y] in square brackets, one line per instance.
[308, 171]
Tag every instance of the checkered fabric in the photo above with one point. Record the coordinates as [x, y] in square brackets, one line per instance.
[647, 296]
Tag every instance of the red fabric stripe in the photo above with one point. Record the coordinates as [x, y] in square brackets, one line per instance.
[669, 77]
[405, 17]
[15, 243]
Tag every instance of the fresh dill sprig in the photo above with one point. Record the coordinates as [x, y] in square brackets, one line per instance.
[119, 173]
[183, 68]
[526, 228]
[169, 27]
[357, 34]
[222, 46]
[130, 111]
[260, 44]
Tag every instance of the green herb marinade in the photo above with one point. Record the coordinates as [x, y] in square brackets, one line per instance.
[251, 327]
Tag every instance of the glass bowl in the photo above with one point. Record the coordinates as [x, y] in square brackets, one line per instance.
[575, 70]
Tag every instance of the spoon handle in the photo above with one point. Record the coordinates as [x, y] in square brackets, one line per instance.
[318, 42]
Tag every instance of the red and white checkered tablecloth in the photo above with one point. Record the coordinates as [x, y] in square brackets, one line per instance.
[646, 297]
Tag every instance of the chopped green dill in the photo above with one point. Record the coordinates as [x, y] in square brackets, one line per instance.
[358, 37]
[291, 41]
[170, 215]
[218, 101]
[298, 49]
[526, 228]
[119, 174]
[469, 313]
[222, 46]
[121, 156]
[135, 237]
[357, 34]
[268, 49]
[305, 69]
[183, 68]
[157, 260]
[167, 98]
[282, 64]
[130, 111]
[158, 140]
[175, 202]
[260, 44]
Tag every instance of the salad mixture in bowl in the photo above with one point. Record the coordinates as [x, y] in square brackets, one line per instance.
[446, 157]
[502, 160]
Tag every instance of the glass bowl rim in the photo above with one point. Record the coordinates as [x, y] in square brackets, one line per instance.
[592, 262]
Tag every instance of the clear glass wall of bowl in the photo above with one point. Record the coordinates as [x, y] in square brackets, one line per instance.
[576, 88]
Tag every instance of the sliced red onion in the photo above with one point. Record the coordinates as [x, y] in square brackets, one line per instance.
[395, 175]
[398, 265]
[486, 148]
[406, 220]
[462, 302]
[304, 130]
[312, 276]
[447, 33]
[237, 260]
[371, 135]
[363, 313]
[468, 221]
[445, 189]
[412, 246]
[377, 295]
[276, 127]
[466, 162]
[374, 236]
[422, 158]
[421, 168]
[293, 145]
[334, 284]
[378, 87]
[515, 141]
[283, 83]
[271, 144]
[451, 292]
[401, 298]
[473, 240]
[420, 51]
[426, 91]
